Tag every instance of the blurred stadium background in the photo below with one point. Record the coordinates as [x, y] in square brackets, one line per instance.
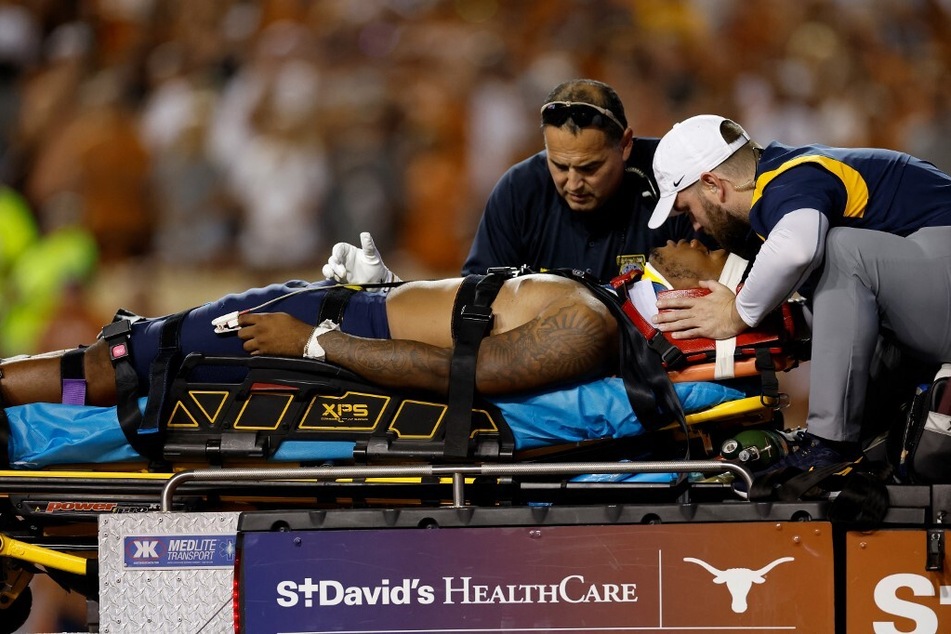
[158, 153]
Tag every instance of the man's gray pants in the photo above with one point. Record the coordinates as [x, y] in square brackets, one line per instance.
[874, 283]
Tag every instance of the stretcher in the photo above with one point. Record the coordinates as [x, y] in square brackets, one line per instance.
[71, 464]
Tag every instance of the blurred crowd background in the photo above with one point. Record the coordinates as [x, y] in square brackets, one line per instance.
[156, 153]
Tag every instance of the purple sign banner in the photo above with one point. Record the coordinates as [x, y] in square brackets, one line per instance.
[536, 579]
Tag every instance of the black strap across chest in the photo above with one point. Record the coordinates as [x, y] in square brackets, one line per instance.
[471, 323]
[649, 390]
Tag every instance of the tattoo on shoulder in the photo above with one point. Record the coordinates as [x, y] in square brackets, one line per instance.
[569, 344]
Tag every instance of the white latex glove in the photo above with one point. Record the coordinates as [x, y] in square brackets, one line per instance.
[348, 264]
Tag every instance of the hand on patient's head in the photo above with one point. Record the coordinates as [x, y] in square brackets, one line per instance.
[349, 264]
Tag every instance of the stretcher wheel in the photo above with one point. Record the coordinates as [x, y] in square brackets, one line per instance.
[15, 615]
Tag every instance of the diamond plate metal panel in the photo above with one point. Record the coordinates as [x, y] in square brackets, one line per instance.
[186, 598]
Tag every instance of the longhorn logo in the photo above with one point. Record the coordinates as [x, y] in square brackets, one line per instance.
[739, 580]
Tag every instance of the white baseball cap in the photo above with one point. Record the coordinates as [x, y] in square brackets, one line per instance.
[689, 149]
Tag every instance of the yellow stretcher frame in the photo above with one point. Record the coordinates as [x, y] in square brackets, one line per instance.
[730, 409]
[42, 556]
[750, 410]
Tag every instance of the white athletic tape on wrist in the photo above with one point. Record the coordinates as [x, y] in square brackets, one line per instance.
[313, 350]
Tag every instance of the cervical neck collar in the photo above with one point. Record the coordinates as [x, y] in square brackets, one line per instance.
[652, 274]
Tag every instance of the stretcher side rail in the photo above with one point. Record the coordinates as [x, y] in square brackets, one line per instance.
[456, 472]
[283, 399]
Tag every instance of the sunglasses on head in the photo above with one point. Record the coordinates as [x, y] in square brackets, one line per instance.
[557, 112]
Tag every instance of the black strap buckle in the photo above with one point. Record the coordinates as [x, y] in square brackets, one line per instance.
[481, 315]
[116, 335]
[670, 355]
[505, 271]
[118, 328]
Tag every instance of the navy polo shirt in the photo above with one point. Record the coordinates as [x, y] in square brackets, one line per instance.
[526, 222]
[869, 188]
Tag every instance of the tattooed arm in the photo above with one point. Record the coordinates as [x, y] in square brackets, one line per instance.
[570, 340]
[562, 344]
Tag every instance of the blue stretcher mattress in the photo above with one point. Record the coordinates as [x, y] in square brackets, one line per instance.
[48, 434]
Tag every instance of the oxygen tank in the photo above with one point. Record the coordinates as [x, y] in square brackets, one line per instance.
[756, 449]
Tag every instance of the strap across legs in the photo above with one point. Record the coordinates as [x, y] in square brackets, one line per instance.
[142, 431]
[165, 363]
[117, 337]
[73, 376]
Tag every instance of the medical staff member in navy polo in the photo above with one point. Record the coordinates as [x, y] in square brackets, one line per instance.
[865, 234]
[583, 202]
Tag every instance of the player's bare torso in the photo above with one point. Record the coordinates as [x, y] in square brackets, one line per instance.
[422, 311]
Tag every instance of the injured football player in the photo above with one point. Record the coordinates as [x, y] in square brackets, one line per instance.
[544, 330]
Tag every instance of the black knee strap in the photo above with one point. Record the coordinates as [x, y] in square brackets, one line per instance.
[161, 371]
[117, 336]
[143, 430]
